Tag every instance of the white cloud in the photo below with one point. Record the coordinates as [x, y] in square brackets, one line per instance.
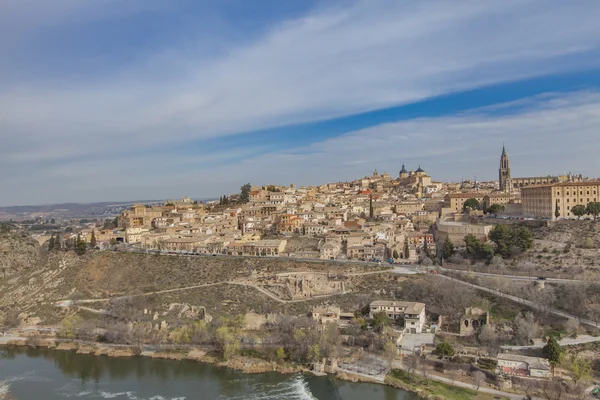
[336, 61]
[554, 134]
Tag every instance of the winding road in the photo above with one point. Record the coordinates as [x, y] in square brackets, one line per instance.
[528, 303]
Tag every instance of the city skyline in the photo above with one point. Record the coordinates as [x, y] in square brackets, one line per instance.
[128, 100]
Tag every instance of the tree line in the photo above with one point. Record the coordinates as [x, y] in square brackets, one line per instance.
[592, 208]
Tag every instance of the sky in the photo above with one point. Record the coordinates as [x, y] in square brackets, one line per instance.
[104, 100]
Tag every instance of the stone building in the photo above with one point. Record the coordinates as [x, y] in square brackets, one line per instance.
[410, 313]
[456, 230]
[508, 184]
[548, 201]
[324, 315]
[517, 364]
[454, 201]
[472, 320]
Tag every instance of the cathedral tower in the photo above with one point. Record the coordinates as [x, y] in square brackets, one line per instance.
[504, 173]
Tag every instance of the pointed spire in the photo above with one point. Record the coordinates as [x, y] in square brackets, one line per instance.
[503, 149]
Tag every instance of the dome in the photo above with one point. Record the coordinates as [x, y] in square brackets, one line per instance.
[420, 169]
[403, 170]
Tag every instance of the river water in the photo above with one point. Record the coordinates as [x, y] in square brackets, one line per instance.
[52, 374]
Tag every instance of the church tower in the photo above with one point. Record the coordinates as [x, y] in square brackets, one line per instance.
[504, 173]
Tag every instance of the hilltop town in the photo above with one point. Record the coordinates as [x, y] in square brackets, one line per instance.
[377, 218]
[397, 279]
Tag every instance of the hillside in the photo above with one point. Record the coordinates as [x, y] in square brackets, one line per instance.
[18, 253]
[55, 276]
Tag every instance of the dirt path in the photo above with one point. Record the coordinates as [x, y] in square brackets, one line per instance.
[68, 303]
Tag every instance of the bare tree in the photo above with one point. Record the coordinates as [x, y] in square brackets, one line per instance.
[452, 374]
[553, 390]
[478, 379]
[572, 326]
[412, 364]
[526, 328]
[423, 369]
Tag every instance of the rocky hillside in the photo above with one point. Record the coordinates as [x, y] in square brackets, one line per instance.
[18, 253]
[44, 278]
[575, 232]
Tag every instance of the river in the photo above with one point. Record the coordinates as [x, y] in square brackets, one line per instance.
[52, 374]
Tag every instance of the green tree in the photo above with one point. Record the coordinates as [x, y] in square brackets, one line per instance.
[486, 252]
[552, 352]
[395, 254]
[245, 193]
[70, 326]
[472, 204]
[280, 355]
[314, 353]
[371, 206]
[589, 243]
[472, 244]
[227, 341]
[389, 351]
[426, 248]
[556, 210]
[580, 369]
[495, 209]
[444, 350]
[58, 242]
[448, 249]
[406, 249]
[522, 238]
[502, 236]
[80, 245]
[579, 210]
[510, 240]
[381, 320]
[593, 208]
[93, 242]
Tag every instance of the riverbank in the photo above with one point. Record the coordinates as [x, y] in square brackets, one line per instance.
[243, 364]
[247, 365]
[240, 363]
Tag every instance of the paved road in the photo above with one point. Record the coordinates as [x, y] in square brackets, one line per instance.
[448, 381]
[513, 277]
[526, 302]
[538, 344]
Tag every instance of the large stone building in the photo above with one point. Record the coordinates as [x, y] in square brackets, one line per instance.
[455, 201]
[410, 313]
[456, 230]
[555, 201]
[507, 183]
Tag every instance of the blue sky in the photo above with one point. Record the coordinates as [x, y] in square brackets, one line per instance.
[128, 99]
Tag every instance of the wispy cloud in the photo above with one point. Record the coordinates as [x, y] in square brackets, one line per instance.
[552, 134]
[331, 62]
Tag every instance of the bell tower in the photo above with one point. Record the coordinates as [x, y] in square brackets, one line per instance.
[504, 172]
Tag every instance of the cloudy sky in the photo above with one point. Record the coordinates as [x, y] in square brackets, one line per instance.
[137, 99]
